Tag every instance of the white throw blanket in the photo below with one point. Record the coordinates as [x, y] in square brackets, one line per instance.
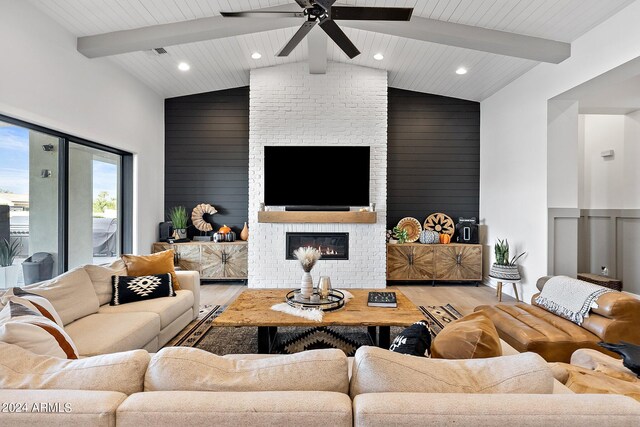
[570, 298]
[311, 314]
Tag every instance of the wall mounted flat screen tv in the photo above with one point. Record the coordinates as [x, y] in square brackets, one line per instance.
[316, 176]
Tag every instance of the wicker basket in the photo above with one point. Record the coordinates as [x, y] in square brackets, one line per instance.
[504, 272]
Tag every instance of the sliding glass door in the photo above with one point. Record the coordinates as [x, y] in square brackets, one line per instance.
[63, 200]
[93, 205]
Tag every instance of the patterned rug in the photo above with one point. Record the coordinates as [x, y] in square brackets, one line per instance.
[244, 340]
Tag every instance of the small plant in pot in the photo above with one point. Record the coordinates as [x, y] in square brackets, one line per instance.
[505, 268]
[8, 271]
[178, 216]
[400, 234]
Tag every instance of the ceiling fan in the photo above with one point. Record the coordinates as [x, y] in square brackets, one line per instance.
[324, 13]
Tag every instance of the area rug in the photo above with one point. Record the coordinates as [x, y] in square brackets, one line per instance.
[244, 340]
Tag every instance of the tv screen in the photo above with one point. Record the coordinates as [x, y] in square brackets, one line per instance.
[316, 176]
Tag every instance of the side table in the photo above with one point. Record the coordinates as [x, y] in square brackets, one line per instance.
[499, 282]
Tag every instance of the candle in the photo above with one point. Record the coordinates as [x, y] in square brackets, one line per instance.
[315, 298]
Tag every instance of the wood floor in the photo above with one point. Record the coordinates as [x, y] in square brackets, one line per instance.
[463, 297]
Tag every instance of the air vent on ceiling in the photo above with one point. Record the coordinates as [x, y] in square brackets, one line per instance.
[159, 51]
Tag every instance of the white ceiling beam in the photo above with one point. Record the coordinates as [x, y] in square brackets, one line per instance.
[317, 48]
[470, 37]
[162, 35]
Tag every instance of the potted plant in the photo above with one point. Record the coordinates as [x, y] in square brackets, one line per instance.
[400, 234]
[504, 268]
[8, 271]
[178, 216]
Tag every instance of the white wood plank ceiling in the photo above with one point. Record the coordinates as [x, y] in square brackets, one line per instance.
[413, 65]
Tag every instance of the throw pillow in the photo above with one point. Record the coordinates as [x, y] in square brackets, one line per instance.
[101, 278]
[35, 302]
[414, 340]
[128, 289]
[376, 370]
[158, 263]
[122, 372]
[192, 369]
[471, 337]
[27, 328]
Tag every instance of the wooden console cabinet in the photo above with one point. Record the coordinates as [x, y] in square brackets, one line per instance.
[212, 260]
[450, 262]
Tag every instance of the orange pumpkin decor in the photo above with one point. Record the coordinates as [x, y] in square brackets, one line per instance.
[224, 229]
[445, 238]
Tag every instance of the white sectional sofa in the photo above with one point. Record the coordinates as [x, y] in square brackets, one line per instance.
[185, 386]
[81, 298]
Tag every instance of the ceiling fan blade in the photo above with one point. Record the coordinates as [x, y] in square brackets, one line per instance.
[297, 38]
[304, 3]
[264, 14]
[339, 37]
[325, 4]
[371, 13]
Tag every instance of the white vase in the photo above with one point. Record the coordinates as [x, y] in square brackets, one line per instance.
[9, 276]
[306, 285]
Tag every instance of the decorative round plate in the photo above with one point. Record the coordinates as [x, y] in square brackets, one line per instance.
[197, 216]
[413, 228]
[441, 223]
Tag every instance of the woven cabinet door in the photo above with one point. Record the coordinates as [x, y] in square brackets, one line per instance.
[235, 261]
[409, 262]
[212, 265]
[188, 256]
[458, 262]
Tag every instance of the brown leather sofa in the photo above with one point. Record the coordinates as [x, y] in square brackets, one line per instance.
[532, 328]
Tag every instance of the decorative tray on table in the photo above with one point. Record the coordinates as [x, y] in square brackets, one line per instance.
[334, 301]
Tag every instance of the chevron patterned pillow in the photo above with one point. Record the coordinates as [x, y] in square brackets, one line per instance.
[128, 289]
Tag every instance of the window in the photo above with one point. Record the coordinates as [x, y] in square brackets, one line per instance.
[61, 196]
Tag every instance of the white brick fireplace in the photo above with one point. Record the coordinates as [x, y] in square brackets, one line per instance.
[346, 106]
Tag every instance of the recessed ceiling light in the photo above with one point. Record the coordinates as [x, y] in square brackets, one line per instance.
[183, 66]
[256, 55]
[378, 57]
[461, 71]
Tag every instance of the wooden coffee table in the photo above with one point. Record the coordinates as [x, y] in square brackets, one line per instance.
[253, 308]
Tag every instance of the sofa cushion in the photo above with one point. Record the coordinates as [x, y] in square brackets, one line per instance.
[103, 333]
[470, 337]
[158, 263]
[22, 369]
[414, 340]
[29, 329]
[169, 309]
[376, 370]
[530, 328]
[101, 278]
[183, 368]
[71, 294]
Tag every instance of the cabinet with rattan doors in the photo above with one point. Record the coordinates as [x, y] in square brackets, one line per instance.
[454, 262]
[214, 261]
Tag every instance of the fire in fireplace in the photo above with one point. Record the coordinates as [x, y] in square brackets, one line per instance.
[330, 245]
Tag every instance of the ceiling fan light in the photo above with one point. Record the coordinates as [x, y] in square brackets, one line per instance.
[256, 55]
[378, 57]
[460, 71]
[183, 66]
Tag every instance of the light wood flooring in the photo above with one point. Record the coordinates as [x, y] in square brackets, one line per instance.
[463, 297]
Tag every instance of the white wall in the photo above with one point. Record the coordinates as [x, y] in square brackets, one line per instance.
[513, 131]
[345, 106]
[44, 80]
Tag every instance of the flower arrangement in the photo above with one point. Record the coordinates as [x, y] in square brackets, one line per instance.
[308, 257]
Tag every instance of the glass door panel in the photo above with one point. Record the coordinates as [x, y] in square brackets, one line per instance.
[29, 182]
[94, 206]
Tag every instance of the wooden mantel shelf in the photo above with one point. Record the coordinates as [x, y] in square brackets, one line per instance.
[318, 217]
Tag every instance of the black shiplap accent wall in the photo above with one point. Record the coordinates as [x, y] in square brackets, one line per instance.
[207, 154]
[433, 156]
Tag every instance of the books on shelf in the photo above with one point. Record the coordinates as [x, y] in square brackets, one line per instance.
[382, 299]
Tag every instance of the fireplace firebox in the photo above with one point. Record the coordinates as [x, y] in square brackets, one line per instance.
[331, 245]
